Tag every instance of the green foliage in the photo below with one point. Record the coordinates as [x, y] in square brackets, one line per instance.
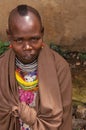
[82, 56]
[68, 54]
[4, 46]
[60, 50]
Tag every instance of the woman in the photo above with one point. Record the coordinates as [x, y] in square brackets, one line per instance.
[35, 86]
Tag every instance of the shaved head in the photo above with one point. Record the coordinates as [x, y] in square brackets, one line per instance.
[25, 33]
[23, 10]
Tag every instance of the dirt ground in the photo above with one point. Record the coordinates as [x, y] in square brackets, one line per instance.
[79, 99]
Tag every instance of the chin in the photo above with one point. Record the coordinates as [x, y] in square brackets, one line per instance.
[26, 61]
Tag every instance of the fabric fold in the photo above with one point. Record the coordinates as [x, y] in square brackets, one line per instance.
[50, 103]
[50, 109]
[8, 92]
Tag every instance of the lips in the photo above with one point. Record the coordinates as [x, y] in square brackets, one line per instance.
[28, 57]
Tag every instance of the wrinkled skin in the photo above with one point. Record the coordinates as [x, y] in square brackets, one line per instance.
[26, 37]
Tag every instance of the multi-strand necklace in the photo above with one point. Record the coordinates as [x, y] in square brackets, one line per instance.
[26, 75]
[27, 67]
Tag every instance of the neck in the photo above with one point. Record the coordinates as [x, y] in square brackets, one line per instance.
[27, 67]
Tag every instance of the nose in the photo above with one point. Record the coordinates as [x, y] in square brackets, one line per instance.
[27, 46]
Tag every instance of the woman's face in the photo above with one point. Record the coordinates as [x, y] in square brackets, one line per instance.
[26, 37]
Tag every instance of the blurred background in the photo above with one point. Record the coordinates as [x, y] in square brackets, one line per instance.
[64, 20]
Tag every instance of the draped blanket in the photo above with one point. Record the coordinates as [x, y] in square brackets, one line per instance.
[8, 92]
[50, 103]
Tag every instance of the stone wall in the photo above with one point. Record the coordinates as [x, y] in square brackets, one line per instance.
[64, 20]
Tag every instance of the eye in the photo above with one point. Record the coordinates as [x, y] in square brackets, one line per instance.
[34, 39]
[18, 40]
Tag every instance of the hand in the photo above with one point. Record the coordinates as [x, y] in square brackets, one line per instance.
[27, 114]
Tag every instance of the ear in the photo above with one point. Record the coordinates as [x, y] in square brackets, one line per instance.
[42, 31]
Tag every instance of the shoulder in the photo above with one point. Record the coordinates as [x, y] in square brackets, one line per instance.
[62, 66]
[4, 55]
[58, 58]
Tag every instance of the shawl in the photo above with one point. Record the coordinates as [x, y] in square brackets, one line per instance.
[50, 102]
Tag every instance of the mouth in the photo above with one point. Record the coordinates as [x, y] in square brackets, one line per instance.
[28, 55]
[27, 58]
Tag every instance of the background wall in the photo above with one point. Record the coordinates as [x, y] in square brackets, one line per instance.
[64, 20]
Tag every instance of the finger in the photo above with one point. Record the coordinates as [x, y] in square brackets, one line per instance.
[20, 107]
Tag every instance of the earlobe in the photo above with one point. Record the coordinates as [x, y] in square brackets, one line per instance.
[10, 46]
[42, 45]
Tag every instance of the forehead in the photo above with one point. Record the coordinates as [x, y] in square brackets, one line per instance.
[24, 23]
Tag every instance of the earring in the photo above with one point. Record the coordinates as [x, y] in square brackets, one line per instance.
[42, 45]
[10, 46]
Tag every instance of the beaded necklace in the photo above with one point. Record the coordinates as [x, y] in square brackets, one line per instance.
[26, 75]
[27, 67]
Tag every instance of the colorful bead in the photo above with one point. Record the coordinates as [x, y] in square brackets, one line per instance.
[24, 84]
[26, 96]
